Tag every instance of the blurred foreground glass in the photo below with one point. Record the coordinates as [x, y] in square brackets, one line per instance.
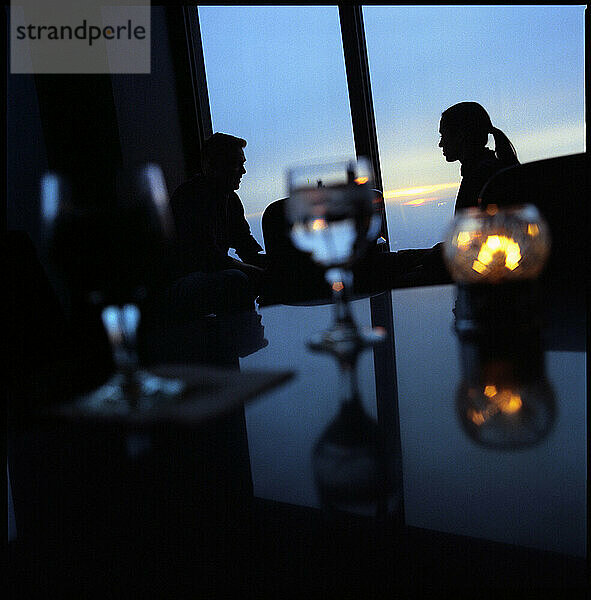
[495, 256]
[110, 247]
[334, 214]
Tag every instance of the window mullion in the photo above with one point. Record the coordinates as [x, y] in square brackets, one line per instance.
[366, 144]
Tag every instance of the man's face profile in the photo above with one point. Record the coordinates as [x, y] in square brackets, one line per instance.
[235, 168]
[228, 169]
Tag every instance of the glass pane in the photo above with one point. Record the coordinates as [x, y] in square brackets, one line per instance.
[524, 64]
[535, 497]
[276, 77]
[285, 424]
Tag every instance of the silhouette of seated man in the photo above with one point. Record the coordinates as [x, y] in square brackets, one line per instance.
[209, 219]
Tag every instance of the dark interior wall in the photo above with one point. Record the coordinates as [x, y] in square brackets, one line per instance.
[26, 156]
[88, 125]
[147, 107]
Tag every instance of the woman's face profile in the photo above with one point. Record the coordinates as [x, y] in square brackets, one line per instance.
[450, 142]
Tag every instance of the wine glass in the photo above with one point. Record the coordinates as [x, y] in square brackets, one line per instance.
[334, 214]
[108, 239]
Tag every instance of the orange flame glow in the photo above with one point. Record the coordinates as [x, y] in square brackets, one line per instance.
[500, 249]
[504, 401]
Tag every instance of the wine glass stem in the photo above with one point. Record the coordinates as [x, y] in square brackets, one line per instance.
[352, 391]
[128, 350]
[342, 311]
[341, 308]
[126, 359]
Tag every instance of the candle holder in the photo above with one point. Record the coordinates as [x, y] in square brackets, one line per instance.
[497, 245]
[495, 256]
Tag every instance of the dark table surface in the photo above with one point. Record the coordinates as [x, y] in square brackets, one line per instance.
[535, 497]
[474, 517]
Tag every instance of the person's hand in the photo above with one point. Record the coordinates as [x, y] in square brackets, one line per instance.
[258, 260]
[248, 268]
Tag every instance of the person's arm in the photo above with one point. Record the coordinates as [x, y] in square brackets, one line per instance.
[248, 268]
[242, 239]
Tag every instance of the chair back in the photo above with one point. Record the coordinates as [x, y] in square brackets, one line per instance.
[292, 276]
[559, 187]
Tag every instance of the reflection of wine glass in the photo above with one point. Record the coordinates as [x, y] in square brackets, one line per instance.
[109, 244]
[334, 214]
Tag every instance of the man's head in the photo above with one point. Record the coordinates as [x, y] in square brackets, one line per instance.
[223, 159]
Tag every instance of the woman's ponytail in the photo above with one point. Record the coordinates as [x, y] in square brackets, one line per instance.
[504, 148]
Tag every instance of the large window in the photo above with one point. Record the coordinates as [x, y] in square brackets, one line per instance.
[524, 64]
[276, 77]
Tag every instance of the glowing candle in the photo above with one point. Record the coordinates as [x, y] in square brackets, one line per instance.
[497, 245]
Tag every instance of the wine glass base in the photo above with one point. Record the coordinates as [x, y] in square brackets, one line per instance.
[141, 391]
[346, 340]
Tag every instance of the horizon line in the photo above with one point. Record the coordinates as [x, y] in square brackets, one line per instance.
[392, 195]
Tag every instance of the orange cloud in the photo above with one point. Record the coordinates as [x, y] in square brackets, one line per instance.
[418, 190]
[419, 201]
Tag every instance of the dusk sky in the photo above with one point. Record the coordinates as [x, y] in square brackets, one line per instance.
[276, 77]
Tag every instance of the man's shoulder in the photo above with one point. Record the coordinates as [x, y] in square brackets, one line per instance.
[195, 181]
[234, 198]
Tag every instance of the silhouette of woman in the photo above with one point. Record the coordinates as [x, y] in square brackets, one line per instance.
[464, 130]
